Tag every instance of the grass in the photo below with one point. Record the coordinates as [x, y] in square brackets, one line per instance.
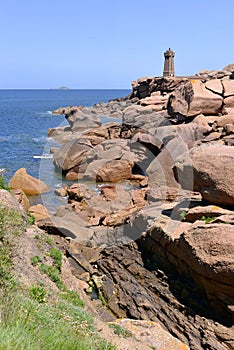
[56, 255]
[54, 274]
[31, 218]
[38, 293]
[3, 185]
[120, 331]
[33, 318]
[73, 298]
[11, 225]
[29, 325]
[35, 260]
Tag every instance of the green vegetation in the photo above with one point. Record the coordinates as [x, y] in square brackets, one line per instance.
[35, 260]
[33, 318]
[31, 218]
[27, 324]
[183, 214]
[3, 184]
[54, 274]
[38, 293]
[73, 298]
[56, 255]
[120, 331]
[207, 219]
[11, 225]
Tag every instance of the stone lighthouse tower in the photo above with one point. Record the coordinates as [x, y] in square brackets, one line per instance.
[169, 70]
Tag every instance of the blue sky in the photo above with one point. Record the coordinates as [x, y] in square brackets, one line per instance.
[107, 44]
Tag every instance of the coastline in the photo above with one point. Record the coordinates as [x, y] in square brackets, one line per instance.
[146, 218]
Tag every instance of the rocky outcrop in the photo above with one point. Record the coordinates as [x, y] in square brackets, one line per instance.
[8, 200]
[194, 98]
[208, 169]
[160, 252]
[27, 183]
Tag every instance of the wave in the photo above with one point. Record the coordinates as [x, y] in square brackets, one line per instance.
[39, 139]
[44, 156]
[2, 170]
[44, 113]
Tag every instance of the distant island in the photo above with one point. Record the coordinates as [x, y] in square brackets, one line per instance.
[63, 88]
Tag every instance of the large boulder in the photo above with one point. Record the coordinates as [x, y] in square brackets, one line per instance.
[199, 250]
[208, 249]
[39, 212]
[29, 184]
[194, 98]
[228, 86]
[176, 140]
[209, 170]
[114, 170]
[144, 117]
[79, 120]
[229, 67]
[71, 154]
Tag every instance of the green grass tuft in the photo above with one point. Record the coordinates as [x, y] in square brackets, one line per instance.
[3, 184]
[56, 255]
[120, 331]
[38, 293]
[73, 298]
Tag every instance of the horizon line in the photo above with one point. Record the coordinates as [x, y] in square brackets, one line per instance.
[67, 89]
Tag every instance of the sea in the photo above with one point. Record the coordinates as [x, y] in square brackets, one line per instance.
[25, 117]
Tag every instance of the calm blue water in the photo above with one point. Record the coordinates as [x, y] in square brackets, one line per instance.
[25, 116]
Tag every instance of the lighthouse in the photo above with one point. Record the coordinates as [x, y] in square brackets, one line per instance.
[169, 69]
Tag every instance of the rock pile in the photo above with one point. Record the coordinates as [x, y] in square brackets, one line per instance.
[150, 216]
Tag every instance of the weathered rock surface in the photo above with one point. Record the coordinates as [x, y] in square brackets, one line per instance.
[193, 99]
[151, 334]
[9, 200]
[206, 211]
[209, 170]
[39, 211]
[29, 184]
[71, 154]
[79, 120]
[22, 198]
[209, 250]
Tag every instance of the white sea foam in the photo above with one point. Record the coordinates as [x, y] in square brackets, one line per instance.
[44, 156]
[39, 139]
[2, 170]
